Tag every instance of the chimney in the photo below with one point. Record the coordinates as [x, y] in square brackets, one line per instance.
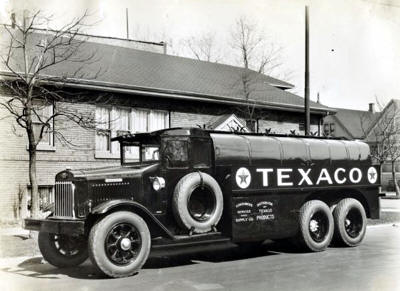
[371, 107]
[13, 20]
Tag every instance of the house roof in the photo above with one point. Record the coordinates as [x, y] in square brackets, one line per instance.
[141, 72]
[384, 118]
[355, 122]
[218, 121]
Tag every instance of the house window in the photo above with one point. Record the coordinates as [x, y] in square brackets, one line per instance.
[121, 121]
[158, 120]
[332, 128]
[302, 127]
[145, 120]
[329, 129]
[116, 121]
[46, 196]
[40, 115]
[251, 124]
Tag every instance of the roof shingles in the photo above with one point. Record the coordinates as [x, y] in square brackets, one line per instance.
[152, 71]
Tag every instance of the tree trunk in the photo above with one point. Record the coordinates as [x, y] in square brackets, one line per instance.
[395, 184]
[380, 175]
[34, 185]
[32, 168]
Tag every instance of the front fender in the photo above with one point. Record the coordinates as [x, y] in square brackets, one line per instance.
[113, 205]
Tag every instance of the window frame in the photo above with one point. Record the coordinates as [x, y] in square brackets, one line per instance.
[114, 148]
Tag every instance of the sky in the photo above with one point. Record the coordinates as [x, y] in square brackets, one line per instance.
[354, 45]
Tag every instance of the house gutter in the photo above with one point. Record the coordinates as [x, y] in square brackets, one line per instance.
[165, 93]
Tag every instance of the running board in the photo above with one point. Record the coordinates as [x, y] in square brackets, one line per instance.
[190, 240]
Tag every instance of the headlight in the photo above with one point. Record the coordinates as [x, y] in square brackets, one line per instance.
[158, 183]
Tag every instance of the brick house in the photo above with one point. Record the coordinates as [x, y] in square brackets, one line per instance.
[141, 91]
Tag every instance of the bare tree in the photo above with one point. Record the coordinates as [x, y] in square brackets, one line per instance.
[203, 48]
[247, 85]
[26, 61]
[383, 134]
[255, 52]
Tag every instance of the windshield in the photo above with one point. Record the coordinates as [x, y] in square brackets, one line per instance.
[136, 153]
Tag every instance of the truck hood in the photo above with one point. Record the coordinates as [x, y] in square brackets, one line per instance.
[113, 172]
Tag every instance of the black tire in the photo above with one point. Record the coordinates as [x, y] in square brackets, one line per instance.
[119, 244]
[350, 223]
[197, 202]
[315, 226]
[61, 250]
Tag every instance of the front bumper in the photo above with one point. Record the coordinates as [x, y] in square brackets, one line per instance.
[60, 226]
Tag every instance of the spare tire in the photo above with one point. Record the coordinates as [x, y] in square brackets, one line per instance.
[197, 202]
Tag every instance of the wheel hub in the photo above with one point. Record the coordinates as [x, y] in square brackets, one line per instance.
[314, 226]
[125, 244]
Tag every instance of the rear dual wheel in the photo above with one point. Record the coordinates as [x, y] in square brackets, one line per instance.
[345, 224]
[350, 222]
[316, 226]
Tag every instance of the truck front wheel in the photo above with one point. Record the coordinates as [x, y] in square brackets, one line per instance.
[350, 222]
[62, 250]
[119, 244]
[316, 226]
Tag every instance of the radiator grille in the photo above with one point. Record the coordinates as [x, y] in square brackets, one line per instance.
[64, 199]
[108, 191]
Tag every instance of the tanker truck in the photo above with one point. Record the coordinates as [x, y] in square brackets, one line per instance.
[188, 186]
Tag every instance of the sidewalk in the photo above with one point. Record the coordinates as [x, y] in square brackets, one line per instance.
[15, 242]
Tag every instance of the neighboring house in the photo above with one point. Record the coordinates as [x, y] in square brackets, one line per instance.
[141, 91]
[358, 124]
[388, 124]
[349, 123]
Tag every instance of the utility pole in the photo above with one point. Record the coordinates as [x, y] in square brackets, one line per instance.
[307, 79]
[127, 23]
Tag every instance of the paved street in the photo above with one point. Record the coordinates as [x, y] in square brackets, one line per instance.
[375, 265]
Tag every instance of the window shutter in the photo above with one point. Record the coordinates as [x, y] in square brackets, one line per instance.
[103, 129]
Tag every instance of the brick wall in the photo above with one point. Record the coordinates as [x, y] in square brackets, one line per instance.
[184, 119]
[14, 156]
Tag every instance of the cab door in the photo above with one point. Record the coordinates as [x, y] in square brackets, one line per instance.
[201, 155]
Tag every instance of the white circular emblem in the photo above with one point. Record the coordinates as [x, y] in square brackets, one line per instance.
[243, 178]
[372, 175]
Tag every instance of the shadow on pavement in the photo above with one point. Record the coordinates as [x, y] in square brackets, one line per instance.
[213, 254]
[35, 268]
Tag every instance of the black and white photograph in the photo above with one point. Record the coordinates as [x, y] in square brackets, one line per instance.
[199, 145]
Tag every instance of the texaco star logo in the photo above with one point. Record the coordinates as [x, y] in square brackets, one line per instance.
[372, 175]
[243, 178]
